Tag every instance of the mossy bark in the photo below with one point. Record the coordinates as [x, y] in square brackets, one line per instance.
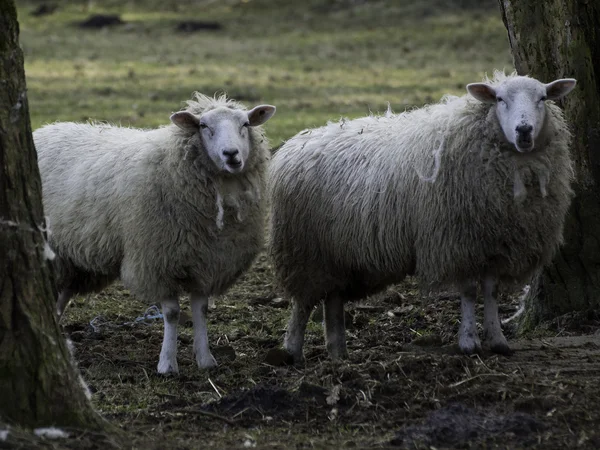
[555, 39]
[38, 384]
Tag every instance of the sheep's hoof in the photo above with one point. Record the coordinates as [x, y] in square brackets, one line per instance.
[469, 344]
[496, 342]
[337, 354]
[207, 362]
[167, 368]
[296, 353]
[297, 357]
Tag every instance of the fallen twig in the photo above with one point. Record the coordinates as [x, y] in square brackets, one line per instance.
[204, 413]
[458, 383]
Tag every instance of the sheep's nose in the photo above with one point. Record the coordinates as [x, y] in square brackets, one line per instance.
[524, 129]
[231, 152]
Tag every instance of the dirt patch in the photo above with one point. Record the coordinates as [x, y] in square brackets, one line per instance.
[192, 26]
[101, 21]
[266, 403]
[458, 426]
[44, 9]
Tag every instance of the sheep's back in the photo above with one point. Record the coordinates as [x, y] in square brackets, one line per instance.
[85, 173]
[336, 212]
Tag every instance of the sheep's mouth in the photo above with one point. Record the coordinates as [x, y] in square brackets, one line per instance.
[524, 146]
[233, 166]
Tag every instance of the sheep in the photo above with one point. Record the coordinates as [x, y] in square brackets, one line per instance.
[471, 190]
[170, 210]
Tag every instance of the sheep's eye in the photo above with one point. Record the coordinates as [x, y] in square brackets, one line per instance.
[543, 99]
[499, 99]
[247, 124]
[203, 125]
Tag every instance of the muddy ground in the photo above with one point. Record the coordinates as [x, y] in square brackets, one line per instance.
[405, 384]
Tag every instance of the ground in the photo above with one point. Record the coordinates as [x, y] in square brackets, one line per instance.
[405, 384]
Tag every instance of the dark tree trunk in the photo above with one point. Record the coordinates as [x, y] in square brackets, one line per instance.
[38, 384]
[554, 39]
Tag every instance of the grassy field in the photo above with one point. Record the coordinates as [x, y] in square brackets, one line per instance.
[316, 61]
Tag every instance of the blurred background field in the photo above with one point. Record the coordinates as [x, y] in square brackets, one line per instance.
[315, 60]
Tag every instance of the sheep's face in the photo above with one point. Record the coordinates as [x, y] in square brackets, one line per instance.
[520, 104]
[224, 133]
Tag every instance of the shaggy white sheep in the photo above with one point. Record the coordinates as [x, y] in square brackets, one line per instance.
[179, 208]
[352, 212]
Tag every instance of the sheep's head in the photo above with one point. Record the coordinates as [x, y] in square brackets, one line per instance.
[224, 132]
[520, 105]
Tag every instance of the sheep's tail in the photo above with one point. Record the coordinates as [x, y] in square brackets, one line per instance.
[521, 308]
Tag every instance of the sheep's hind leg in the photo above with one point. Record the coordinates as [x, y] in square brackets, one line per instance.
[63, 300]
[335, 328]
[204, 357]
[492, 331]
[167, 362]
[294, 336]
[468, 339]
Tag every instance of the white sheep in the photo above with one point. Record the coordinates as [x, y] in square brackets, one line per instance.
[171, 210]
[353, 212]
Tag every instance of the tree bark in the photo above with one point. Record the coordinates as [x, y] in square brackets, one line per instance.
[38, 384]
[555, 39]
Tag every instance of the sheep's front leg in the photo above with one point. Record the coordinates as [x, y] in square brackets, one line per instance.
[167, 362]
[468, 339]
[335, 328]
[492, 331]
[204, 357]
[294, 336]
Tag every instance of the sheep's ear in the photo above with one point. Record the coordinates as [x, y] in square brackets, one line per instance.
[260, 114]
[559, 88]
[482, 92]
[186, 121]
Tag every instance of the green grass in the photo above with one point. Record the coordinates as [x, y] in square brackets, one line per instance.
[316, 61]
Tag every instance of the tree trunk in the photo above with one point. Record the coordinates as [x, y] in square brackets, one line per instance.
[555, 39]
[38, 384]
